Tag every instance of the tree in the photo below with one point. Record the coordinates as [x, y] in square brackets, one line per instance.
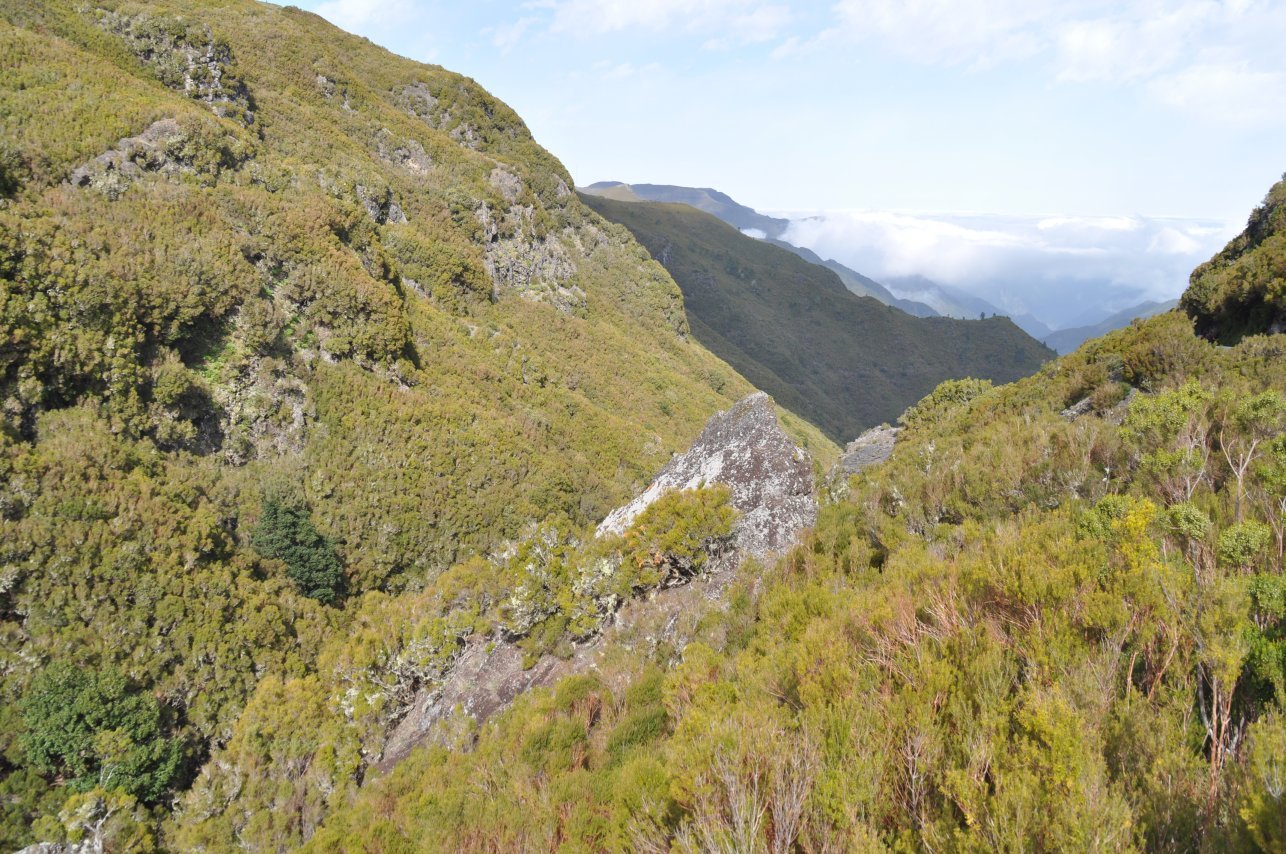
[285, 533]
[96, 730]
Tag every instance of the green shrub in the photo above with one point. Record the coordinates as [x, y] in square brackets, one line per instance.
[285, 533]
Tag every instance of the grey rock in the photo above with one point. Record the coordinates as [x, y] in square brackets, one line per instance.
[871, 448]
[151, 151]
[745, 449]
[771, 482]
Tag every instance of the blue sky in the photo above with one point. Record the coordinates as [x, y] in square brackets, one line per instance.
[1025, 108]
[1006, 106]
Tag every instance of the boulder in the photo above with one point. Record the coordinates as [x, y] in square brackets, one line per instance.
[770, 477]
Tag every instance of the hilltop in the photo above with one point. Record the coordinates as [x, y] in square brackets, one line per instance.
[1242, 290]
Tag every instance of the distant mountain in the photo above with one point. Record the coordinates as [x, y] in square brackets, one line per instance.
[793, 329]
[749, 220]
[1066, 340]
[1032, 325]
[944, 299]
[702, 198]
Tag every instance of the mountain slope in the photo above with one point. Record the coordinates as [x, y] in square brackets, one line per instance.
[285, 320]
[1051, 620]
[1242, 290]
[844, 362]
[1066, 340]
[861, 285]
[743, 218]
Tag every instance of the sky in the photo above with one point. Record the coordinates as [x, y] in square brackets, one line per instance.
[986, 116]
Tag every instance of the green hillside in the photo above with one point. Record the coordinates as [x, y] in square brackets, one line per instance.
[842, 361]
[1053, 621]
[315, 372]
[285, 320]
[1242, 290]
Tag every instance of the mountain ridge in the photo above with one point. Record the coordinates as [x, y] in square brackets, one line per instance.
[846, 362]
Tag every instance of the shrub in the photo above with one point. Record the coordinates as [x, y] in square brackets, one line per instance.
[285, 533]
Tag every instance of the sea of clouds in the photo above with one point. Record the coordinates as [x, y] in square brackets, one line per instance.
[1063, 270]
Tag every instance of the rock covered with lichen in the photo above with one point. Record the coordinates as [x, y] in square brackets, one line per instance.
[745, 449]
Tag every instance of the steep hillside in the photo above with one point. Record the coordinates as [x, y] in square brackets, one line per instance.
[285, 320]
[863, 286]
[1242, 290]
[842, 361]
[1053, 620]
[748, 219]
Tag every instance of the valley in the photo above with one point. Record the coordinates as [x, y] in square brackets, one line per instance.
[366, 487]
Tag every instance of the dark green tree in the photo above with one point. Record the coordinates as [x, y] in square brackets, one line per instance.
[287, 534]
[97, 730]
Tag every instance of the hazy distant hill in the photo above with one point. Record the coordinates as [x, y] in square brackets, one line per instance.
[741, 217]
[1067, 340]
[702, 198]
[857, 283]
[791, 327]
[944, 299]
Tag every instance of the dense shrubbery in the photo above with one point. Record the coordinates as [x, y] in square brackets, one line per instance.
[285, 533]
[1022, 631]
[1025, 631]
[277, 283]
[93, 729]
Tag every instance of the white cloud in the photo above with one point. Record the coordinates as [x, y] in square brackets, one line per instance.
[1212, 57]
[1138, 42]
[507, 36]
[951, 32]
[1051, 267]
[1232, 94]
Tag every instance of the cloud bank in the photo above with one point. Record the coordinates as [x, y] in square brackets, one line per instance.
[1056, 268]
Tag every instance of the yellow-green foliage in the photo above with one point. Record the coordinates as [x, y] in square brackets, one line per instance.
[1022, 632]
[1242, 290]
[274, 781]
[278, 282]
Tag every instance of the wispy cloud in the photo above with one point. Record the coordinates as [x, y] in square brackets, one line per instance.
[1233, 94]
[507, 36]
[952, 32]
[357, 15]
[723, 23]
[1189, 54]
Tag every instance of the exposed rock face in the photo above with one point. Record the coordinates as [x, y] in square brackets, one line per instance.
[520, 262]
[771, 482]
[151, 151]
[771, 479]
[871, 448]
[186, 57]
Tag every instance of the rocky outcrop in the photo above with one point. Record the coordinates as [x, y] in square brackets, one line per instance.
[771, 484]
[745, 449]
[165, 148]
[519, 261]
[871, 448]
[185, 56]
